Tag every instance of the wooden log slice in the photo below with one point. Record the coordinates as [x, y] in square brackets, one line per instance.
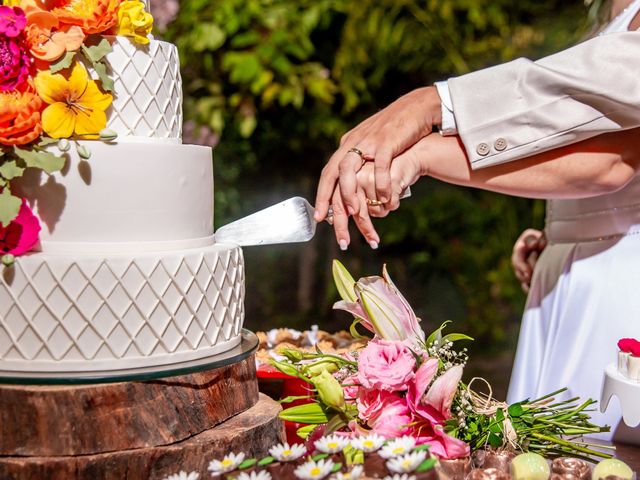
[87, 419]
[252, 432]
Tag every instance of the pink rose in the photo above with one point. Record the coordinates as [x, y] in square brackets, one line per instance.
[12, 21]
[386, 365]
[21, 235]
[629, 345]
[394, 417]
[371, 401]
[14, 63]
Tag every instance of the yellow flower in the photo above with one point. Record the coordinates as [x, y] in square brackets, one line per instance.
[134, 22]
[10, 3]
[76, 104]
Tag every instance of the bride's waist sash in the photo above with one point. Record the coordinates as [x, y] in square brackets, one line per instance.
[595, 219]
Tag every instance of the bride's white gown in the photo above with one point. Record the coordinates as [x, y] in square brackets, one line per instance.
[585, 294]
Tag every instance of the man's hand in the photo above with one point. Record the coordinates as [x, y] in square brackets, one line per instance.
[380, 138]
[526, 251]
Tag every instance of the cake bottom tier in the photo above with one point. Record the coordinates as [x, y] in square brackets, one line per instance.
[81, 313]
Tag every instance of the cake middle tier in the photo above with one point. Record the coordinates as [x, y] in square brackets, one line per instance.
[127, 197]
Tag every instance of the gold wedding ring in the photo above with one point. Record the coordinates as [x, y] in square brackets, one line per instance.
[358, 152]
[374, 203]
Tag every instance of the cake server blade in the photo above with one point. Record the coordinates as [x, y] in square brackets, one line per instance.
[290, 221]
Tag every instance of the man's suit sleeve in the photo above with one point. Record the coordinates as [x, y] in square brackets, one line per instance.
[521, 108]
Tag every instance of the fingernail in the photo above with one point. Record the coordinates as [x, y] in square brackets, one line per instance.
[373, 244]
[351, 210]
[343, 245]
[383, 199]
[316, 215]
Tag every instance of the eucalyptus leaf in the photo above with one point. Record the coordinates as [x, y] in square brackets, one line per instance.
[10, 170]
[43, 160]
[64, 62]
[9, 207]
[103, 74]
[96, 53]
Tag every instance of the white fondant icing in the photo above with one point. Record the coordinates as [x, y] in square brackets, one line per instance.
[147, 89]
[91, 312]
[633, 368]
[623, 361]
[127, 197]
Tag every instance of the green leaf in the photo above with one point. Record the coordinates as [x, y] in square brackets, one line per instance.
[10, 170]
[9, 207]
[96, 53]
[495, 440]
[353, 330]
[293, 398]
[311, 413]
[266, 461]
[319, 456]
[437, 335]
[454, 337]
[428, 464]
[336, 466]
[208, 36]
[43, 160]
[515, 410]
[250, 462]
[44, 141]
[64, 62]
[304, 432]
[105, 79]
[424, 446]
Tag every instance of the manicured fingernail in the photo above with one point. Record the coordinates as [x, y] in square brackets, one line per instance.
[316, 215]
[373, 244]
[351, 210]
[343, 245]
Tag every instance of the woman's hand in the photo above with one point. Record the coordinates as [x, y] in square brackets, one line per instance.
[525, 254]
[380, 138]
[404, 172]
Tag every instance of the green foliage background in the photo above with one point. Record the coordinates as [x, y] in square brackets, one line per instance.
[272, 84]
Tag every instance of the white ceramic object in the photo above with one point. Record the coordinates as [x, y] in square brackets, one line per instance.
[623, 361]
[633, 368]
[627, 391]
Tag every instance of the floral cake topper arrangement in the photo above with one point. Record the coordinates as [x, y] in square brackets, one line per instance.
[403, 383]
[54, 89]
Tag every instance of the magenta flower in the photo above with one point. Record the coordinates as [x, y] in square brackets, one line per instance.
[14, 63]
[21, 235]
[386, 365]
[394, 418]
[12, 21]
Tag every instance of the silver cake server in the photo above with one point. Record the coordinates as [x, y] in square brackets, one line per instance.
[290, 221]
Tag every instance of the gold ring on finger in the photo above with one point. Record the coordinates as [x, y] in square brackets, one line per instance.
[374, 203]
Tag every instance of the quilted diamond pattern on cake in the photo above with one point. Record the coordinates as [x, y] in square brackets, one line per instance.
[148, 100]
[64, 309]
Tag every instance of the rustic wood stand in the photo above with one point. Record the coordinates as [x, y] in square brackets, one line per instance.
[135, 429]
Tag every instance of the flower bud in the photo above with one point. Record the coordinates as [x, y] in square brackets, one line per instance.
[7, 260]
[324, 365]
[108, 134]
[329, 390]
[64, 145]
[83, 151]
[293, 355]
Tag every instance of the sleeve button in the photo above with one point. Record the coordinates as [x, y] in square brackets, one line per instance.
[500, 144]
[483, 149]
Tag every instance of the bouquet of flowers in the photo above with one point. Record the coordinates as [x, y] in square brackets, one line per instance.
[404, 383]
[54, 89]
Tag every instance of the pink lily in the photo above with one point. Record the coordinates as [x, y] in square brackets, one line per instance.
[378, 304]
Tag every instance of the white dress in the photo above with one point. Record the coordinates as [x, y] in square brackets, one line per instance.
[585, 295]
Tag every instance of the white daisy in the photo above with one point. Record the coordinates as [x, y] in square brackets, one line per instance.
[261, 475]
[406, 463]
[228, 463]
[398, 446]
[331, 443]
[404, 476]
[353, 474]
[311, 470]
[369, 443]
[285, 453]
[182, 475]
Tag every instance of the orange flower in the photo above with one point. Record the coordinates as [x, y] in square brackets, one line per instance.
[19, 117]
[47, 42]
[93, 16]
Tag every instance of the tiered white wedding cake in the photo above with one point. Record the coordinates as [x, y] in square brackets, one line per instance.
[128, 274]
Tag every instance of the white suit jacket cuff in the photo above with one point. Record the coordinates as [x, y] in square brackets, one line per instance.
[448, 126]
